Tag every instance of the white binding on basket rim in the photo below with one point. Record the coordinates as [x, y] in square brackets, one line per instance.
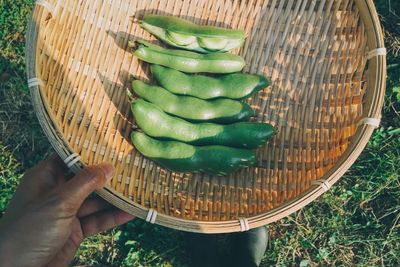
[324, 184]
[375, 122]
[244, 224]
[32, 82]
[151, 216]
[72, 159]
[376, 52]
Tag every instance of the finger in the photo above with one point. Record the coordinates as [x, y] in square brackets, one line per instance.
[37, 181]
[88, 180]
[64, 256]
[53, 164]
[104, 220]
[93, 205]
[47, 173]
[56, 165]
[68, 251]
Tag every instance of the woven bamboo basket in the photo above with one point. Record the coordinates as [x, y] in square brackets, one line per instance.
[325, 59]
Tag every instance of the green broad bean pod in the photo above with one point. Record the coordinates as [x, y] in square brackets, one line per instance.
[188, 61]
[181, 157]
[234, 86]
[187, 35]
[192, 108]
[156, 123]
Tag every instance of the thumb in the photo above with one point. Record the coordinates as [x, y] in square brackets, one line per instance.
[88, 180]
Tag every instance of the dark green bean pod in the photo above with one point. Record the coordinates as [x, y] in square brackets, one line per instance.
[188, 61]
[181, 157]
[192, 108]
[234, 86]
[154, 122]
[187, 35]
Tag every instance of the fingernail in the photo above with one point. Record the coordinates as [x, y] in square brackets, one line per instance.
[108, 170]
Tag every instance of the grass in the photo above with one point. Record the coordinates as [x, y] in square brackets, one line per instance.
[9, 177]
[356, 223]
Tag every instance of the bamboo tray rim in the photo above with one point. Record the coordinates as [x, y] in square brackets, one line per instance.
[377, 70]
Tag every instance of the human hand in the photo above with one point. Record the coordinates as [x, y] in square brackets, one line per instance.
[49, 216]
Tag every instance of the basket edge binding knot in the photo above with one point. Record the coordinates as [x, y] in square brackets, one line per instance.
[244, 224]
[374, 122]
[32, 82]
[324, 184]
[151, 216]
[72, 159]
[381, 51]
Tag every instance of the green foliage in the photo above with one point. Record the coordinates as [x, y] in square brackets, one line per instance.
[9, 177]
[13, 16]
[100, 249]
[142, 244]
[396, 92]
[389, 14]
[13, 21]
[19, 128]
[134, 244]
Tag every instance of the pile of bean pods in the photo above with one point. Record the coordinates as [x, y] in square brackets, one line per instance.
[194, 122]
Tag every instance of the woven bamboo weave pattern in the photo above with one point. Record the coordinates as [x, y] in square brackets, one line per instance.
[323, 85]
